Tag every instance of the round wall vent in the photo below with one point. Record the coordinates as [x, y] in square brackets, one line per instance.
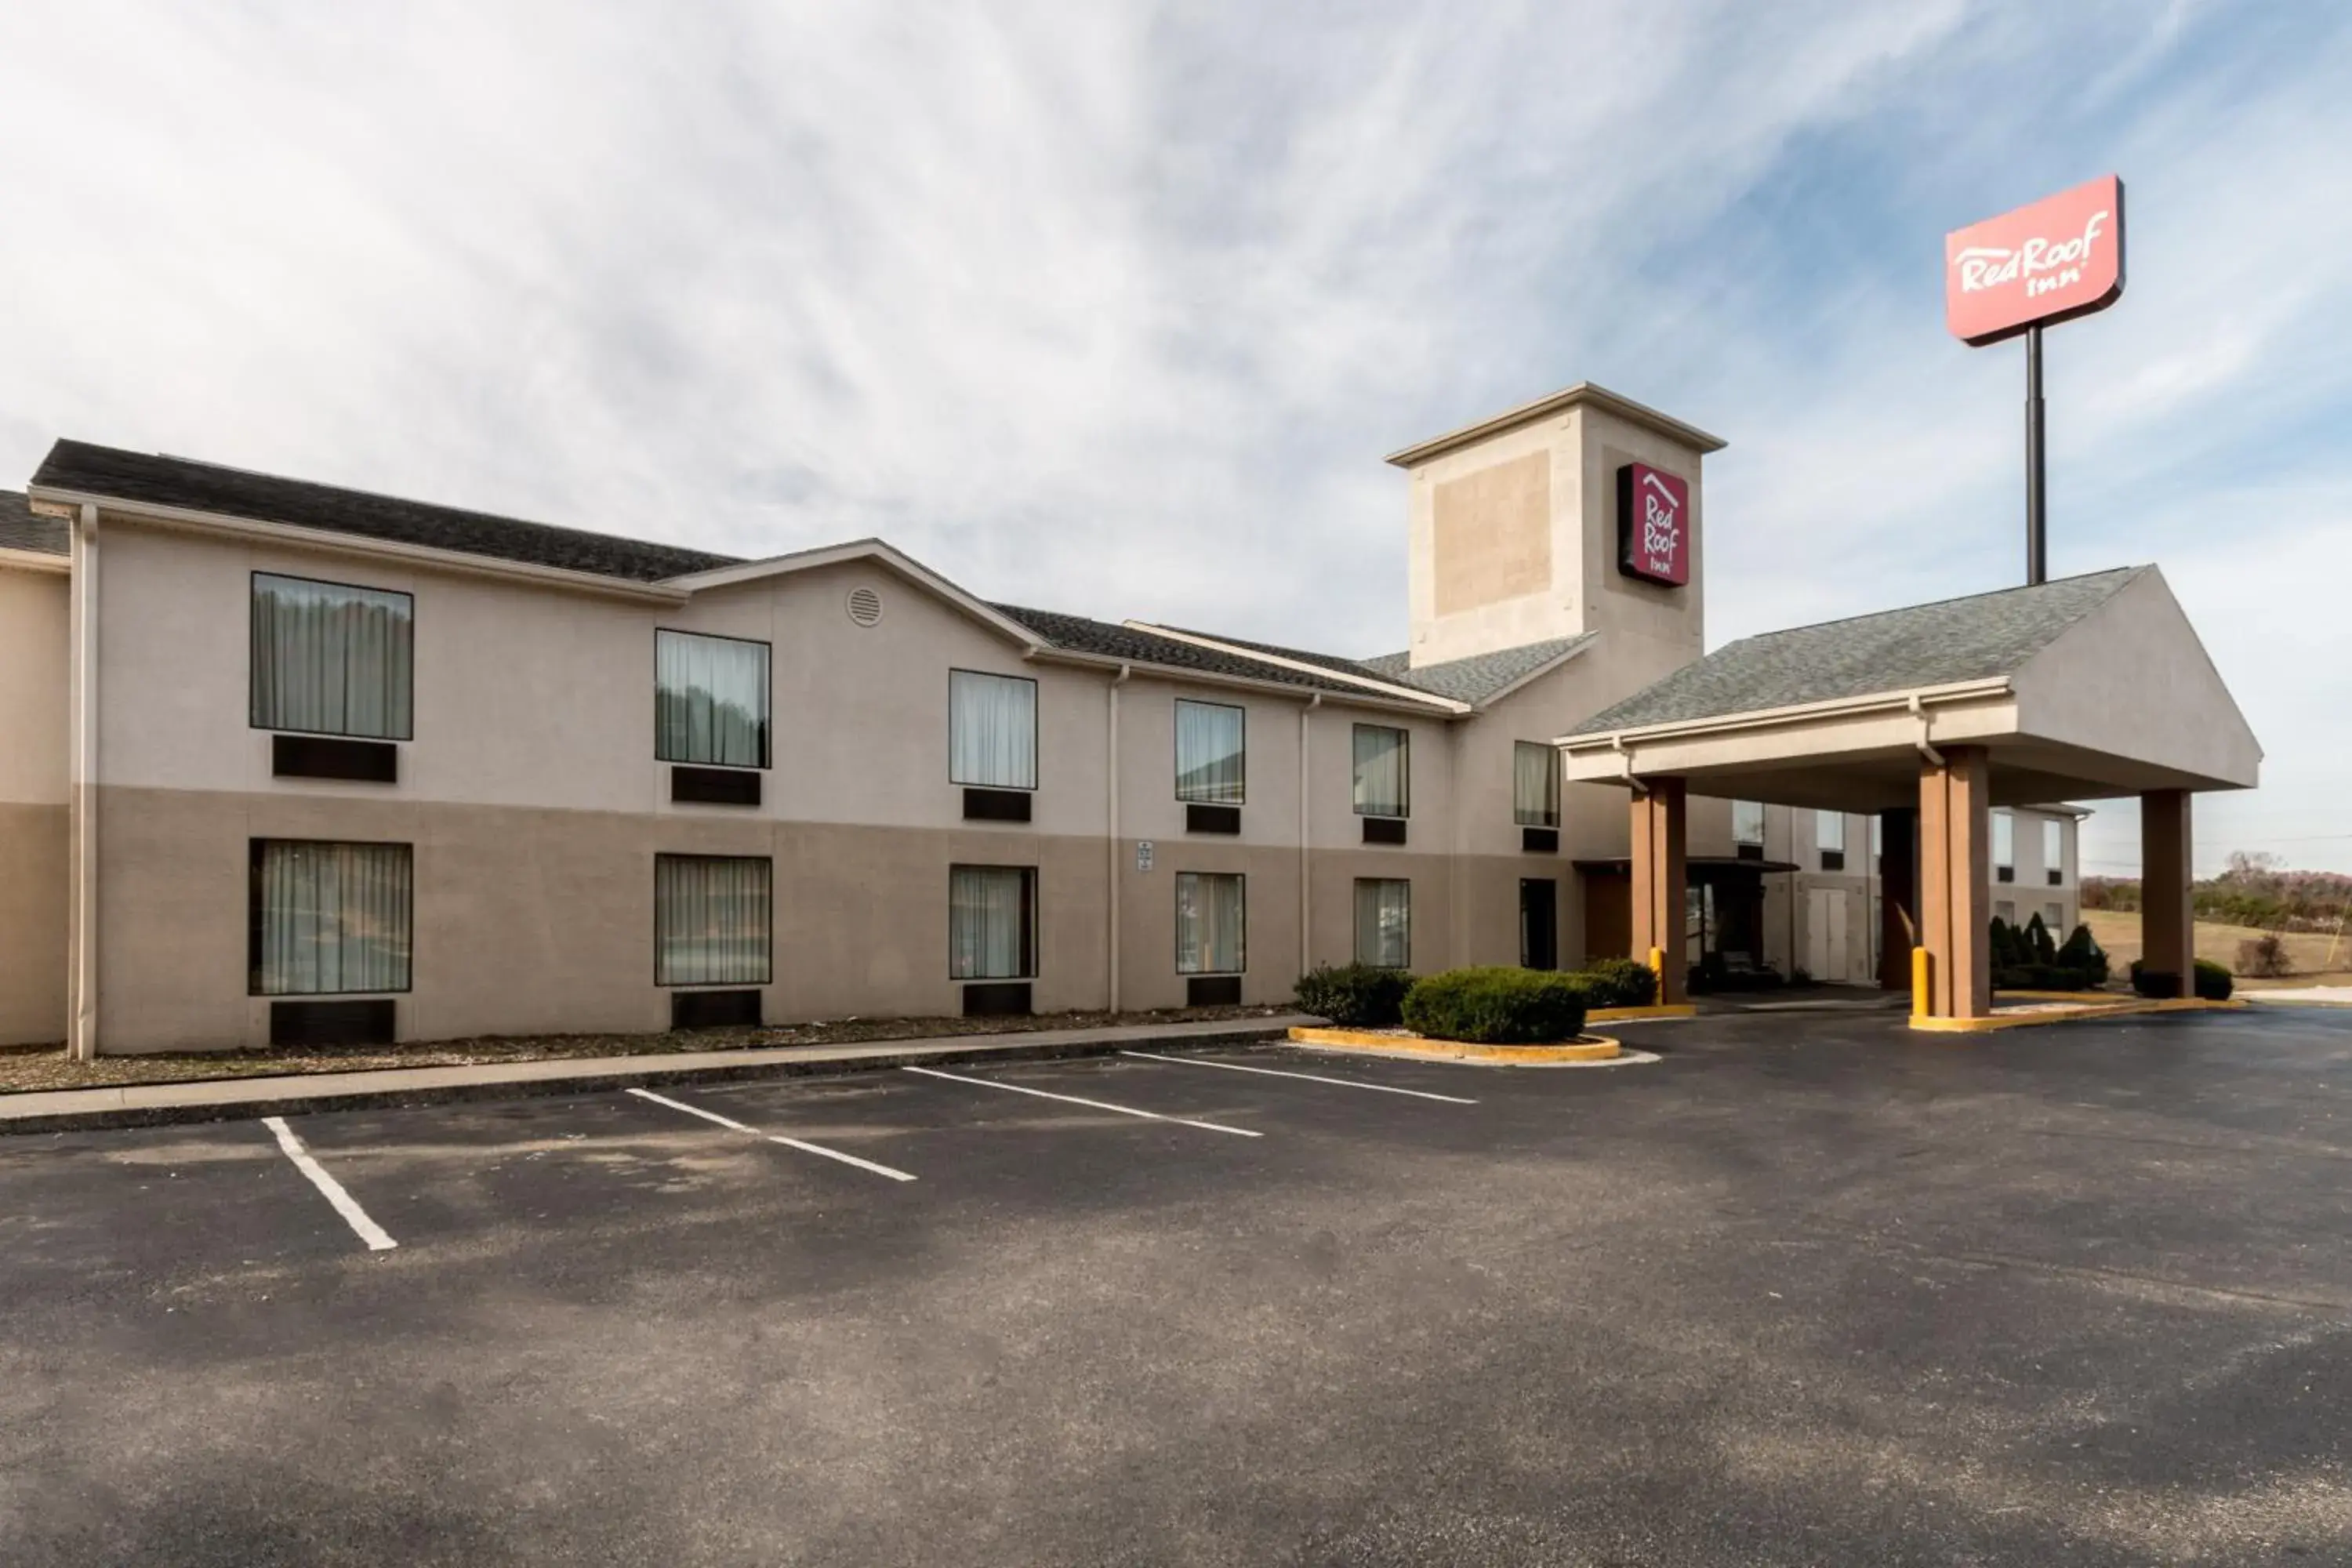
[864, 606]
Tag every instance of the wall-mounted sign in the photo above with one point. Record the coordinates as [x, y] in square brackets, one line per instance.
[1143, 854]
[1653, 524]
[2062, 256]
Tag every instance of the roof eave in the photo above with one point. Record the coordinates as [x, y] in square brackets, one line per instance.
[1325, 672]
[1583, 392]
[1186, 674]
[335, 542]
[1796, 713]
[15, 559]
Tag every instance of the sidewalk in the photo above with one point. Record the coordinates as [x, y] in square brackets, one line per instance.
[222, 1099]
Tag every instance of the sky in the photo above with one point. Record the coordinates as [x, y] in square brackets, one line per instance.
[1115, 308]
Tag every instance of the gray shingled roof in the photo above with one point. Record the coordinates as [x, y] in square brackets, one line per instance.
[205, 487]
[1079, 635]
[1975, 639]
[1470, 679]
[21, 530]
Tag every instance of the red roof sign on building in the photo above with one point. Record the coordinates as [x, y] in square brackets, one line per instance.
[2060, 257]
[1653, 524]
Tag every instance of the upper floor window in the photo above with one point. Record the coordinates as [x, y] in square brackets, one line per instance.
[1383, 772]
[711, 700]
[2053, 849]
[991, 729]
[1535, 784]
[1829, 836]
[1747, 822]
[1210, 758]
[2004, 847]
[328, 660]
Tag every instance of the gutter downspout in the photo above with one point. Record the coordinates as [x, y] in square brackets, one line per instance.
[82, 982]
[1625, 762]
[1306, 864]
[1111, 771]
[1919, 711]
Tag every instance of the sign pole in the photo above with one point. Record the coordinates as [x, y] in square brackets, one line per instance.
[2037, 471]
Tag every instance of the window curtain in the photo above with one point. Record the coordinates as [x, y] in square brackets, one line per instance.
[1829, 830]
[1534, 785]
[1382, 775]
[991, 730]
[330, 918]
[1210, 908]
[331, 660]
[1209, 756]
[2004, 838]
[1384, 922]
[712, 917]
[991, 923]
[711, 700]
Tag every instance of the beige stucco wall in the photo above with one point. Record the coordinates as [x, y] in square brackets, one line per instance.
[33, 795]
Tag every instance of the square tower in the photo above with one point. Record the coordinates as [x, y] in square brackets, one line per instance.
[1574, 513]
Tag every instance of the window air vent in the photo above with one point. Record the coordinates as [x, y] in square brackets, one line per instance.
[864, 606]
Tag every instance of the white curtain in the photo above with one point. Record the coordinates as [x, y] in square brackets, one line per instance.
[331, 918]
[711, 920]
[331, 660]
[991, 923]
[1384, 782]
[1829, 830]
[1209, 755]
[1384, 922]
[991, 729]
[1534, 785]
[711, 700]
[1210, 909]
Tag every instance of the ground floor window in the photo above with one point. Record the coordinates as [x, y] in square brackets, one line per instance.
[1384, 921]
[2005, 911]
[2055, 917]
[712, 917]
[991, 923]
[1210, 909]
[329, 920]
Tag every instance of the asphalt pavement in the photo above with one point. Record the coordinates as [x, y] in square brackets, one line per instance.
[1808, 1289]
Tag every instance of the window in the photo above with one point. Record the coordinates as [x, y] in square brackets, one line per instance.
[991, 729]
[327, 919]
[2053, 916]
[711, 700]
[711, 920]
[1747, 822]
[1384, 922]
[1210, 911]
[1877, 841]
[991, 923]
[2005, 911]
[2004, 847]
[1211, 763]
[1534, 785]
[1383, 772]
[331, 660]
[2054, 850]
[1829, 836]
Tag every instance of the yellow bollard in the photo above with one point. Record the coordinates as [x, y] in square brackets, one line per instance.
[1922, 1003]
[1658, 973]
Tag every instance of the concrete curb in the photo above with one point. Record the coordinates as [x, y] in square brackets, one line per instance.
[2086, 1013]
[1591, 1048]
[302, 1094]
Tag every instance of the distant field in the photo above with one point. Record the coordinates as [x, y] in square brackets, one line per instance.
[2119, 934]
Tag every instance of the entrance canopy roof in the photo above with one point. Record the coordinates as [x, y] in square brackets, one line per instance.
[2083, 688]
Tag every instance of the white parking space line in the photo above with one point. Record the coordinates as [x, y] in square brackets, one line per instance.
[802, 1145]
[345, 1204]
[1309, 1076]
[1095, 1104]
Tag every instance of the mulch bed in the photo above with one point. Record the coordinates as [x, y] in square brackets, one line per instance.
[24, 1070]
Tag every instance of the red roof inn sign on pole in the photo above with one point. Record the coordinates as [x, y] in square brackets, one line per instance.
[2060, 257]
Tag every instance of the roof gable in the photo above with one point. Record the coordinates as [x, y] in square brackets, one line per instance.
[1982, 636]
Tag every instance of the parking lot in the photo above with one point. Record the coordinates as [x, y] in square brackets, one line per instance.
[1808, 1289]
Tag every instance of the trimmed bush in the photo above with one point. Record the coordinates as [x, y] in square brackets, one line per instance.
[1355, 997]
[2211, 981]
[1496, 1007]
[2083, 954]
[2040, 946]
[1617, 982]
[2040, 977]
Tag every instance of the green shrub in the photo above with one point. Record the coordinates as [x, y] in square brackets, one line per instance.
[2083, 954]
[2040, 977]
[2040, 946]
[1496, 1007]
[1617, 982]
[1355, 997]
[2211, 981]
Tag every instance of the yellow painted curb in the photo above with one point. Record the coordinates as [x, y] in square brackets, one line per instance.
[1592, 1048]
[2117, 1009]
[1626, 1014]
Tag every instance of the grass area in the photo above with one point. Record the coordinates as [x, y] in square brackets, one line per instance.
[2118, 932]
[25, 1070]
